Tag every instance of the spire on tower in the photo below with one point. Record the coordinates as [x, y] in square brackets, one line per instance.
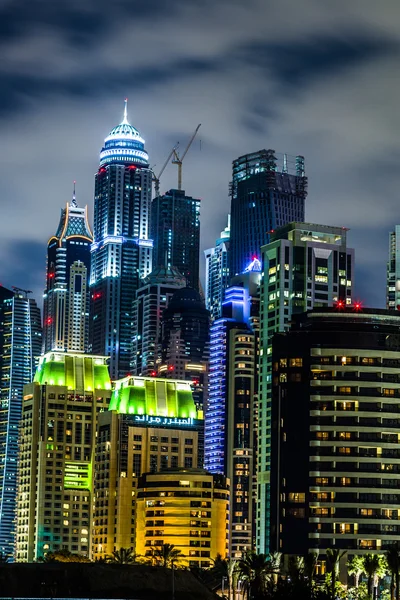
[73, 203]
[126, 111]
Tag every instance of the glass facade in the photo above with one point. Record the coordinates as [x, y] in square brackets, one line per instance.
[122, 250]
[20, 346]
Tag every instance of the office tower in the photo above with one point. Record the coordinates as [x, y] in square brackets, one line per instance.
[185, 337]
[66, 296]
[188, 508]
[393, 271]
[335, 432]
[268, 190]
[231, 414]
[20, 347]
[152, 299]
[217, 272]
[175, 229]
[152, 425]
[121, 251]
[58, 433]
[305, 266]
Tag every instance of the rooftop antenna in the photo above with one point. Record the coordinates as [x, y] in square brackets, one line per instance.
[73, 203]
[125, 119]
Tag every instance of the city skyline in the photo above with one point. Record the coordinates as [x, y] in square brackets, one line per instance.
[319, 103]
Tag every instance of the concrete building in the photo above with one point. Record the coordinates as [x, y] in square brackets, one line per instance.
[217, 273]
[188, 508]
[185, 341]
[56, 451]
[305, 266]
[335, 454]
[175, 229]
[152, 298]
[393, 271]
[152, 425]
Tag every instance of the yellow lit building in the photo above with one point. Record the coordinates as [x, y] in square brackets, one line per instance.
[188, 508]
[57, 437]
[152, 425]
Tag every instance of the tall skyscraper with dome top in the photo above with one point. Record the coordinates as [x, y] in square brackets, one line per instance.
[122, 250]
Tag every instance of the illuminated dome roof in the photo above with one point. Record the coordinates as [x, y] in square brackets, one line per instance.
[124, 145]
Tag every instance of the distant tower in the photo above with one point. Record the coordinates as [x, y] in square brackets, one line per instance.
[217, 272]
[20, 346]
[175, 229]
[185, 340]
[267, 192]
[152, 298]
[393, 271]
[66, 296]
[122, 250]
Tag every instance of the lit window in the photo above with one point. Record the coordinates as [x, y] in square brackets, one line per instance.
[297, 497]
[296, 362]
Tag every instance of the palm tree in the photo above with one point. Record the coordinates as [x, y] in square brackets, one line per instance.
[374, 567]
[167, 555]
[226, 568]
[355, 567]
[123, 556]
[310, 561]
[333, 557]
[393, 562]
[255, 570]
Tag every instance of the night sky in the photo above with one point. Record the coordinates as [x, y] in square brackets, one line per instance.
[304, 77]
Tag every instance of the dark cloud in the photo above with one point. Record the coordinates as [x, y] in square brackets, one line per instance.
[301, 77]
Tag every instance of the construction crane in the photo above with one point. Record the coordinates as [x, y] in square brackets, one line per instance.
[156, 178]
[179, 160]
[21, 291]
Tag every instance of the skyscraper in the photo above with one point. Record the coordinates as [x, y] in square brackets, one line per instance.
[152, 299]
[20, 347]
[185, 340]
[393, 271]
[267, 191]
[231, 412]
[122, 250]
[335, 432]
[66, 296]
[305, 266]
[152, 425]
[175, 229]
[217, 272]
[56, 453]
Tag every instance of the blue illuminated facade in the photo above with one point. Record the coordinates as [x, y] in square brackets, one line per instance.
[217, 273]
[230, 419]
[122, 250]
[20, 346]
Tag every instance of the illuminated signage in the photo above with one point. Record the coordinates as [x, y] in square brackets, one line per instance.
[168, 421]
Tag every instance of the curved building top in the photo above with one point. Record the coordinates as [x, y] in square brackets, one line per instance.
[124, 145]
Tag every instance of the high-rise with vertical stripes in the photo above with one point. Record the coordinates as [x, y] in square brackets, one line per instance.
[122, 250]
[20, 346]
[66, 295]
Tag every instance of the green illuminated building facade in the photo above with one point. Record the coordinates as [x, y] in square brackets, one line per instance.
[152, 425]
[57, 439]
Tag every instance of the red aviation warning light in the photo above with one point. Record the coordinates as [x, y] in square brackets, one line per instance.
[153, 374]
[340, 304]
[357, 305]
[171, 367]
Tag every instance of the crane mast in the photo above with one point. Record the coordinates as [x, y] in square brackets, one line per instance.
[179, 160]
[156, 178]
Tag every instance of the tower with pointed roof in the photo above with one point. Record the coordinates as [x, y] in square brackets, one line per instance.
[122, 250]
[66, 294]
